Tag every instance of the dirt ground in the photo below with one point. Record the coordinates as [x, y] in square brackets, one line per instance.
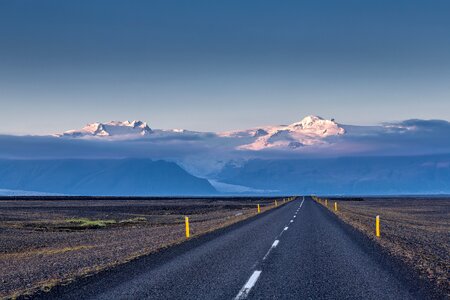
[48, 242]
[416, 230]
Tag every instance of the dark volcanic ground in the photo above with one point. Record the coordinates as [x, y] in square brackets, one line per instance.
[45, 242]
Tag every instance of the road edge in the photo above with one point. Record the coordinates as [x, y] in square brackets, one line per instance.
[424, 289]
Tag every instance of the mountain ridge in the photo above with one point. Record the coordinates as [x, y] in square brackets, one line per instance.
[105, 177]
[311, 130]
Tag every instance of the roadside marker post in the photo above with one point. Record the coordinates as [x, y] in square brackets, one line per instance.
[259, 209]
[377, 226]
[326, 202]
[186, 221]
[276, 203]
[335, 206]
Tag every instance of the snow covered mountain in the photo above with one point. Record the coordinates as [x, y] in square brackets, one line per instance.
[111, 129]
[312, 130]
[312, 155]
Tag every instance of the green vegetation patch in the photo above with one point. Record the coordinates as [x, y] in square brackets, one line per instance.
[87, 223]
[133, 220]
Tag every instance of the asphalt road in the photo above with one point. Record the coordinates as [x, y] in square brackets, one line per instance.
[298, 251]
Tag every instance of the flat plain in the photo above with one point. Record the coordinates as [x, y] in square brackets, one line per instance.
[48, 242]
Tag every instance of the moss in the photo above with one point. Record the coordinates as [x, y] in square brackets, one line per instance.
[84, 222]
[133, 220]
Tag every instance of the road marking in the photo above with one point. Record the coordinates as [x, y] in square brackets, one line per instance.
[295, 216]
[301, 203]
[243, 293]
[270, 249]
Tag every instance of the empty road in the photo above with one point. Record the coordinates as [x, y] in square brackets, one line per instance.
[297, 251]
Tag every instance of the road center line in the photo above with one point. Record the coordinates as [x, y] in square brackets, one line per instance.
[270, 249]
[301, 203]
[243, 293]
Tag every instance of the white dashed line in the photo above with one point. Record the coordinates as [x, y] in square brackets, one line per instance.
[270, 249]
[243, 293]
[275, 243]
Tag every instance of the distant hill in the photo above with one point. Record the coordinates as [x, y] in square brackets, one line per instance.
[346, 176]
[111, 177]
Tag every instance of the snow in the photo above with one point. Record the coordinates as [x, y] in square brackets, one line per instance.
[236, 189]
[311, 130]
[111, 129]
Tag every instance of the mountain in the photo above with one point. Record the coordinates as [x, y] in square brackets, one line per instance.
[311, 130]
[314, 155]
[110, 177]
[125, 129]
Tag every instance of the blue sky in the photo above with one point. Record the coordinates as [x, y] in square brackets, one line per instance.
[219, 65]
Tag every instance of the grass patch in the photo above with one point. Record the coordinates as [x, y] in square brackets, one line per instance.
[87, 223]
[133, 220]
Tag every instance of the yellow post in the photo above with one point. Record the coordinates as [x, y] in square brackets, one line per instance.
[335, 206]
[276, 203]
[326, 202]
[377, 226]
[186, 221]
[259, 209]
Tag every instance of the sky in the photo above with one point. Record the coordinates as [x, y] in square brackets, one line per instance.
[221, 65]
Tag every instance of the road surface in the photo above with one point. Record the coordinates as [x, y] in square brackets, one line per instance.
[297, 251]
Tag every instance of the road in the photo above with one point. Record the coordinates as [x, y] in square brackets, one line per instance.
[297, 251]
